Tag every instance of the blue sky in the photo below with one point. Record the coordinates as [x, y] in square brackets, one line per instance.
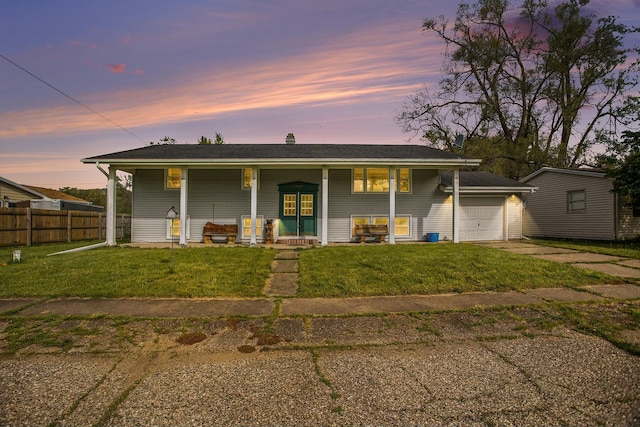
[331, 71]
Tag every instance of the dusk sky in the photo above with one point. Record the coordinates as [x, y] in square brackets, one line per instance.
[330, 71]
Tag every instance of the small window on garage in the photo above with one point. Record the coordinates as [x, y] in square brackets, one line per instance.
[576, 201]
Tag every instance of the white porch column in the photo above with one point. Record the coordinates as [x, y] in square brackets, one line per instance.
[505, 219]
[184, 222]
[392, 205]
[254, 204]
[111, 207]
[456, 205]
[324, 239]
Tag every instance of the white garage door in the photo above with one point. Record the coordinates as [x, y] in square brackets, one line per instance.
[481, 218]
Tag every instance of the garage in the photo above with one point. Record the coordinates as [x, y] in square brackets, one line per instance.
[481, 218]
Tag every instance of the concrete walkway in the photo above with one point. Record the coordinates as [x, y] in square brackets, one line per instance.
[611, 265]
[260, 307]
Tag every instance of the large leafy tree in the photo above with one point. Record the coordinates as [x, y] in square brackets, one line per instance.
[626, 173]
[527, 87]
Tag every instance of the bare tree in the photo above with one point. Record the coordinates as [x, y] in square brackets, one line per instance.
[527, 86]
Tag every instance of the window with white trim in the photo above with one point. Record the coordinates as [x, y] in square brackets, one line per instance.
[247, 174]
[402, 223]
[173, 227]
[172, 178]
[376, 180]
[246, 225]
[576, 201]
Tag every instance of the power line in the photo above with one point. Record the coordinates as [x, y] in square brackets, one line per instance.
[70, 97]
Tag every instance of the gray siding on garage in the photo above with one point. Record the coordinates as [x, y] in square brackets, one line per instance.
[546, 215]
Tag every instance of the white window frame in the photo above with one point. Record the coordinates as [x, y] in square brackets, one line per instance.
[168, 228]
[248, 187]
[259, 226]
[166, 180]
[364, 183]
[371, 221]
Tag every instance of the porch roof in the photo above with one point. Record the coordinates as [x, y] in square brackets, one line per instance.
[283, 154]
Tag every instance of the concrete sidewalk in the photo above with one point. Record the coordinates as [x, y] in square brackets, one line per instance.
[260, 307]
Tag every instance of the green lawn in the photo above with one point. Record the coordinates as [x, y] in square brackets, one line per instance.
[133, 272]
[629, 249]
[429, 269]
[357, 270]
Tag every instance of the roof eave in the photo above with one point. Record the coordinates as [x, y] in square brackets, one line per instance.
[283, 161]
[564, 171]
[490, 190]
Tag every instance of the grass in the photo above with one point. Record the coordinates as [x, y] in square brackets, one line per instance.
[358, 270]
[133, 272]
[629, 249]
[429, 269]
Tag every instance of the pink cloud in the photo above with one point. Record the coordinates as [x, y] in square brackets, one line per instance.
[126, 40]
[117, 68]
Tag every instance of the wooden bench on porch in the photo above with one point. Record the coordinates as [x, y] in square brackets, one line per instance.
[378, 231]
[219, 232]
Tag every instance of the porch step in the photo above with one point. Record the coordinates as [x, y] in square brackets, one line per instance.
[297, 242]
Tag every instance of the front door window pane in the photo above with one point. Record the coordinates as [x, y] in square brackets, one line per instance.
[306, 205]
[289, 208]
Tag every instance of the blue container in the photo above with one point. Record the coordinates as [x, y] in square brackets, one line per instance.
[433, 237]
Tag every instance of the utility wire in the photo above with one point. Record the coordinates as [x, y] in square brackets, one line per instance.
[70, 97]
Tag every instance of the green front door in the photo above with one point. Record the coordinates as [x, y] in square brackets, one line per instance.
[298, 209]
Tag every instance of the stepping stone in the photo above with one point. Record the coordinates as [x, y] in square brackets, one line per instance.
[612, 270]
[635, 263]
[284, 266]
[581, 257]
[284, 284]
[287, 255]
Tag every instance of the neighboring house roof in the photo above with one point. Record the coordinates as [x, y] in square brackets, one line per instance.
[55, 194]
[283, 154]
[23, 188]
[597, 173]
[483, 182]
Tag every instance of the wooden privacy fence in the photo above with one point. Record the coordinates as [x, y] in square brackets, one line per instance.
[26, 226]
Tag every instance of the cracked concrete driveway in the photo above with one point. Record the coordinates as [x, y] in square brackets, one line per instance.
[516, 366]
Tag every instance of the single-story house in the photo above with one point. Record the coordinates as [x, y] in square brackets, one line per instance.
[577, 204]
[316, 192]
[14, 195]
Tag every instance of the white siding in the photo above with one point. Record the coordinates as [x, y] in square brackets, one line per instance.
[546, 215]
[514, 217]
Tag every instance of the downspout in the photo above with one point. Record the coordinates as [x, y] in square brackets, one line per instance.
[89, 247]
